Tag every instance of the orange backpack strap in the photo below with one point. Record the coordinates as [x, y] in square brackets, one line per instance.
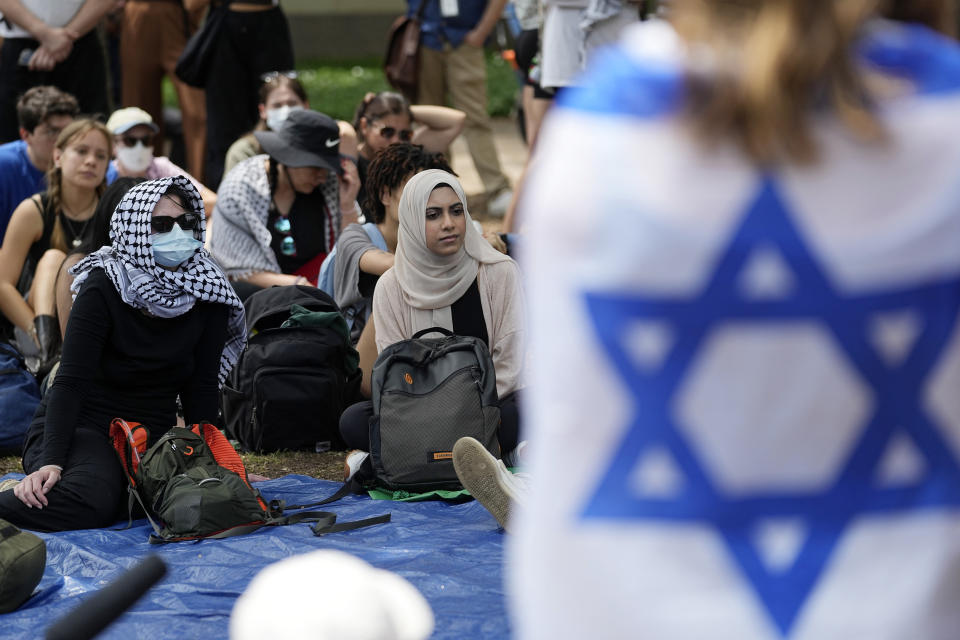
[224, 453]
[129, 440]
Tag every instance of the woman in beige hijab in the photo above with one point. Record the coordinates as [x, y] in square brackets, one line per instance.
[446, 274]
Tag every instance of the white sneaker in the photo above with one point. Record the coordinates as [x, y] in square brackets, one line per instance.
[353, 461]
[497, 205]
[486, 478]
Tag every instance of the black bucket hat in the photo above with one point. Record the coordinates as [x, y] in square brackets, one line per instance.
[306, 139]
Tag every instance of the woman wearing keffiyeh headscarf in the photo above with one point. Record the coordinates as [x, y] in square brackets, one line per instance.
[154, 319]
[445, 274]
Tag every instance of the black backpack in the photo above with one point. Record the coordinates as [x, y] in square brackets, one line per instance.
[292, 382]
[427, 393]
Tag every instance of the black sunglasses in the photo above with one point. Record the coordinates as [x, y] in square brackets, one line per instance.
[271, 76]
[188, 221]
[388, 132]
[288, 246]
[131, 141]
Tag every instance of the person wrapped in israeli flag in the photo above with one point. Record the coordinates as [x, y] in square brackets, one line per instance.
[744, 280]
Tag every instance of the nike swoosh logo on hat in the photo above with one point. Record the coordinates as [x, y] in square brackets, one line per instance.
[332, 143]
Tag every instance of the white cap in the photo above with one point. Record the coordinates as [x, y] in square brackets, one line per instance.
[329, 594]
[122, 120]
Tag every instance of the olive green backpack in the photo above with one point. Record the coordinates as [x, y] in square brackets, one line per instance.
[23, 557]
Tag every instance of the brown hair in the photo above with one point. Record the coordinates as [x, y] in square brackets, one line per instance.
[73, 131]
[378, 105]
[773, 63]
[278, 81]
[39, 103]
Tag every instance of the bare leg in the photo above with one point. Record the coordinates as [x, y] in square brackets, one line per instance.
[43, 297]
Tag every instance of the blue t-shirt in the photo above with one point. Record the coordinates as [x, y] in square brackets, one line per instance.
[19, 179]
[437, 30]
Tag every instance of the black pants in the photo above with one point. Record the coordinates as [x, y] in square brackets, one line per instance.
[90, 494]
[355, 424]
[250, 45]
[83, 74]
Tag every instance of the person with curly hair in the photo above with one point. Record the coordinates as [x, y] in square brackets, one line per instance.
[364, 252]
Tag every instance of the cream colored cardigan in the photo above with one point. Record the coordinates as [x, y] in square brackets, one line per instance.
[501, 297]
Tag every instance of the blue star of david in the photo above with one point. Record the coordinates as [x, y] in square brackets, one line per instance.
[827, 512]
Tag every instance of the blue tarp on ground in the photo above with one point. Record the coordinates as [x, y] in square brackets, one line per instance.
[452, 553]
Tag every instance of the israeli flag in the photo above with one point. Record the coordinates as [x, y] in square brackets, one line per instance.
[744, 389]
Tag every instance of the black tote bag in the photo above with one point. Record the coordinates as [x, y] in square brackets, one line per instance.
[193, 66]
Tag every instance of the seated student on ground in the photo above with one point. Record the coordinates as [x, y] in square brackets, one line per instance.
[364, 252]
[133, 130]
[386, 117]
[154, 319]
[43, 228]
[279, 214]
[99, 237]
[42, 113]
[280, 94]
[445, 275]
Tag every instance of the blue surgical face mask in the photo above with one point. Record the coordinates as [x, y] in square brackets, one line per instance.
[173, 248]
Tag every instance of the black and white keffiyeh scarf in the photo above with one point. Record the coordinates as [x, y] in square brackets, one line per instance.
[163, 293]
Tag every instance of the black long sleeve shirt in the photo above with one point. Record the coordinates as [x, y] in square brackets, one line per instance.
[118, 362]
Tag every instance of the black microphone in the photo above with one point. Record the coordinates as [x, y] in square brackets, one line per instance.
[95, 613]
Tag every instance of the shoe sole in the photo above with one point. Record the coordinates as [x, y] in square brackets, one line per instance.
[477, 470]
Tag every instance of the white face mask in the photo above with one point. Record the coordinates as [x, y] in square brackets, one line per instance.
[276, 117]
[135, 159]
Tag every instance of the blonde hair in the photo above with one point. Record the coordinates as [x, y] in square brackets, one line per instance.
[70, 133]
[771, 65]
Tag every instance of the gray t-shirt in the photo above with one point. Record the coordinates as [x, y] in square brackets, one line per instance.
[352, 288]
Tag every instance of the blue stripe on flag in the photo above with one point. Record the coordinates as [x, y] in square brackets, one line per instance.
[615, 84]
[925, 58]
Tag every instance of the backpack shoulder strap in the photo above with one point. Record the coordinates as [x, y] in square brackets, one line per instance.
[373, 232]
[363, 477]
[129, 440]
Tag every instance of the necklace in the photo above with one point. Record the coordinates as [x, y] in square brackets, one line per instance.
[78, 236]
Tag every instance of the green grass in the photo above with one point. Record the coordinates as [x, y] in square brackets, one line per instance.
[326, 466]
[337, 87]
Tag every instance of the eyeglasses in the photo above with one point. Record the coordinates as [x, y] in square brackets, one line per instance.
[389, 132]
[188, 221]
[51, 133]
[272, 76]
[287, 246]
[131, 141]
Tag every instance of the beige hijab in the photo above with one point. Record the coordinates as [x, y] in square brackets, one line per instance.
[429, 282]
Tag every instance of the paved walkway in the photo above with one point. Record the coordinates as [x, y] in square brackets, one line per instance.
[513, 155]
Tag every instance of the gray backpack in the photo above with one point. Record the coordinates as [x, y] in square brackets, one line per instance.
[427, 393]
[23, 558]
